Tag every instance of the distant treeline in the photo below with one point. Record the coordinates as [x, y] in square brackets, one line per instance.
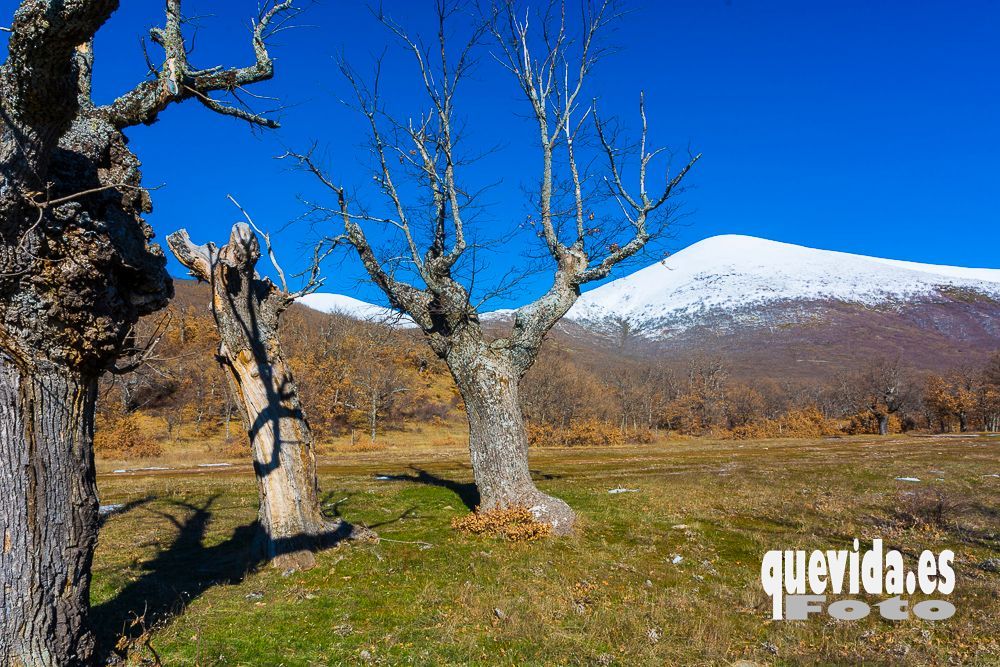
[366, 379]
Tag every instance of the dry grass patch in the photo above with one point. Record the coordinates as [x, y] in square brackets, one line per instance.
[514, 524]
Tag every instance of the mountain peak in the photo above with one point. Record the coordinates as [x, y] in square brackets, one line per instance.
[737, 273]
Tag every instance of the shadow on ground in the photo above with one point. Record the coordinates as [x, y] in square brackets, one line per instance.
[466, 491]
[183, 571]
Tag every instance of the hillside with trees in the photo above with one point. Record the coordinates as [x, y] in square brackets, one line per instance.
[366, 383]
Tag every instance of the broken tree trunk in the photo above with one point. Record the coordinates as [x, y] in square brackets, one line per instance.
[247, 311]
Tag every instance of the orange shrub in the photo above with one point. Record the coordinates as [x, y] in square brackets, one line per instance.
[583, 433]
[801, 423]
[865, 422]
[124, 438]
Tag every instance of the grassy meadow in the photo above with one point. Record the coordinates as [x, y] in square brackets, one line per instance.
[172, 580]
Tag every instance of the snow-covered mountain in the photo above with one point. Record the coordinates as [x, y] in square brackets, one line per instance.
[346, 305]
[778, 308]
[746, 280]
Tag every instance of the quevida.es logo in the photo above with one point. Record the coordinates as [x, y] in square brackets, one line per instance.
[799, 583]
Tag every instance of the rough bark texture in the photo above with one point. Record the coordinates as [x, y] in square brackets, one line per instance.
[498, 443]
[49, 499]
[247, 310]
[77, 270]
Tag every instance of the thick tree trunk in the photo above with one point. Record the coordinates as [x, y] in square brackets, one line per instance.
[498, 442]
[883, 424]
[48, 519]
[284, 462]
[247, 311]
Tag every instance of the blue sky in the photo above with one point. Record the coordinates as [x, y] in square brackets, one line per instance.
[856, 126]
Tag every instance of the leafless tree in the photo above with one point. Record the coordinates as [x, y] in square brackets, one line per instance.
[376, 380]
[550, 66]
[883, 389]
[247, 310]
[77, 269]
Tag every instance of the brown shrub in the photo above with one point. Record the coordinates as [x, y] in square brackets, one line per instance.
[236, 448]
[642, 436]
[124, 438]
[801, 423]
[864, 422]
[514, 524]
[583, 433]
[928, 507]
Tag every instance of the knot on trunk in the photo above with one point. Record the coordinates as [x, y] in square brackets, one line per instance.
[79, 267]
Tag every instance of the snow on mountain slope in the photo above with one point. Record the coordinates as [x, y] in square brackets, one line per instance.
[733, 274]
[345, 305]
[732, 280]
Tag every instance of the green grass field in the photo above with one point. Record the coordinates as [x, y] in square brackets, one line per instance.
[611, 595]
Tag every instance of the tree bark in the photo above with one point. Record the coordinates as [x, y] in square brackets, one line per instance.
[883, 424]
[290, 519]
[48, 519]
[498, 439]
[77, 270]
[247, 310]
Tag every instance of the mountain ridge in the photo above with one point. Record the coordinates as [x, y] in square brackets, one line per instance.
[733, 272]
[742, 274]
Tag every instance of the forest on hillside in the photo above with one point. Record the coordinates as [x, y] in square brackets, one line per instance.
[369, 380]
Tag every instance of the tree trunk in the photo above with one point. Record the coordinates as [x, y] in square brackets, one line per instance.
[498, 442]
[284, 463]
[247, 311]
[49, 516]
[883, 424]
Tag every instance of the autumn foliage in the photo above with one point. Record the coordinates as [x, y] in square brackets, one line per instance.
[366, 380]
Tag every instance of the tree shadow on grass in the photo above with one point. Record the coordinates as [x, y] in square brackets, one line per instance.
[466, 491]
[183, 571]
[108, 511]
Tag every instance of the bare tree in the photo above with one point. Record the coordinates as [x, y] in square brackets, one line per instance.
[884, 390]
[377, 381]
[247, 310]
[77, 269]
[488, 371]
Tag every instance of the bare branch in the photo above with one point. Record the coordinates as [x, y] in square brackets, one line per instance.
[176, 80]
[198, 259]
[141, 356]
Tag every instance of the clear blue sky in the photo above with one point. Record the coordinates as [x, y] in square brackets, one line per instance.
[868, 127]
